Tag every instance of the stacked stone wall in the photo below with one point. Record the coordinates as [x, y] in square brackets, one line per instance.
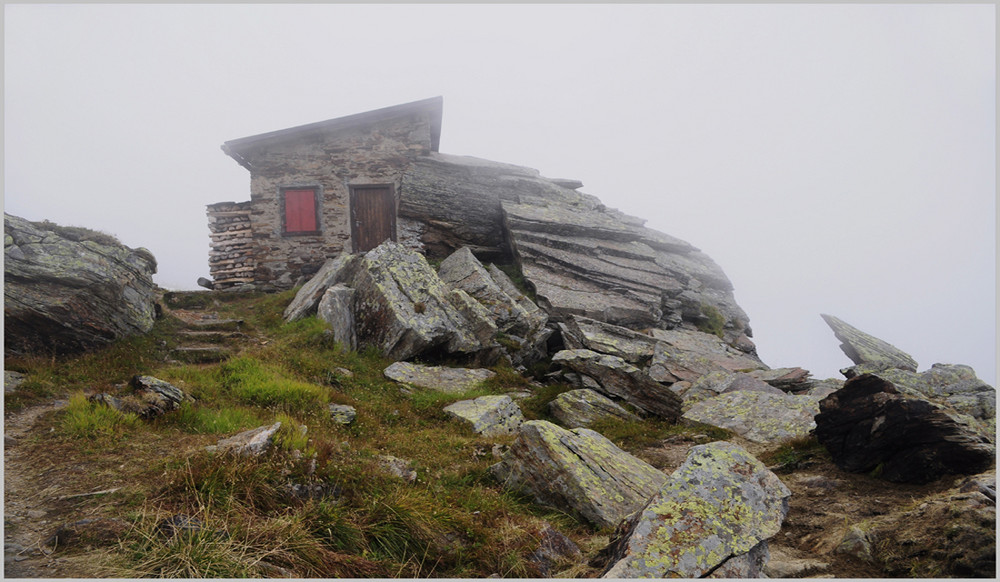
[231, 258]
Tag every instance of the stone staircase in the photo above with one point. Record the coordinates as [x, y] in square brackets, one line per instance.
[205, 337]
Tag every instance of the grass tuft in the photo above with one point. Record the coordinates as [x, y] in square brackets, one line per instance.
[88, 420]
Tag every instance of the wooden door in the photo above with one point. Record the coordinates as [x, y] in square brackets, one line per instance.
[373, 216]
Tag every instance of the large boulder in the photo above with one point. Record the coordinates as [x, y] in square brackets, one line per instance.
[715, 513]
[577, 470]
[69, 289]
[620, 380]
[336, 308]
[761, 417]
[870, 426]
[402, 308]
[862, 348]
[461, 270]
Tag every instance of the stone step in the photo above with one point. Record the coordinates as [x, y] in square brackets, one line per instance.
[201, 354]
[215, 325]
[209, 336]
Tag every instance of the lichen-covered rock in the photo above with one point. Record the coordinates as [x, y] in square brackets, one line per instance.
[577, 470]
[336, 308]
[761, 417]
[956, 386]
[452, 380]
[403, 309]
[69, 289]
[396, 467]
[788, 379]
[720, 504]
[621, 380]
[870, 426]
[862, 348]
[461, 270]
[686, 355]
[583, 407]
[488, 415]
[148, 397]
[334, 271]
[342, 413]
[249, 443]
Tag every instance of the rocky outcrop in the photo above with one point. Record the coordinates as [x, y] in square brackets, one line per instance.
[488, 415]
[955, 386]
[583, 407]
[577, 470]
[862, 348]
[761, 417]
[148, 398]
[620, 380]
[69, 289]
[452, 380]
[870, 426]
[719, 507]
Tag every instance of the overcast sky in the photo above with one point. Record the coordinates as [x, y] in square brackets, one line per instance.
[830, 158]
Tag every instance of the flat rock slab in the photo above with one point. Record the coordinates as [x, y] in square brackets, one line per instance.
[583, 407]
[862, 348]
[869, 425]
[488, 415]
[451, 380]
[761, 417]
[720, 504]
[577, 470]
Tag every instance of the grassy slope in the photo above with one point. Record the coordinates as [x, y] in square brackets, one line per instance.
[453, 521]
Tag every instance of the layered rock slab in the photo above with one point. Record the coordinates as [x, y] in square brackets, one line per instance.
[620, 380]
[869, 425]
[68, 289]
[583, 407]
[577, 470]
[721, 505]
[863, 348]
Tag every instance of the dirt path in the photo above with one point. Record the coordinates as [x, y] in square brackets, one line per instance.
[31, 489]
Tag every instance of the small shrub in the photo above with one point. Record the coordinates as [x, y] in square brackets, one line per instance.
[714, 321]
[85, 419]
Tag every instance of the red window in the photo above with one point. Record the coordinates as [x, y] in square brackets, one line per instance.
[300, 210]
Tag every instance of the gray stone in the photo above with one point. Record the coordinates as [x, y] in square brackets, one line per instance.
[461, 270]
[580, 408]
[688, 355]
[632, 346]
[451, 380]
[158, 397]
[399, 468]
[862, 348]
[336, 308]
[307, 300]
[12, 380]
[787, 379]
[68, 289]
[488, 415]
[790, 563]
[761, 417]
[955, 386]
[342, 413]
[250, 443]
[620, 380]
[714, 383]
[553, 550]
[578, 471]
[856, 542]
[721, 503]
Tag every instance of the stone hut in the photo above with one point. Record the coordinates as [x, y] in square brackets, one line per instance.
[348, 184]
[317, 190]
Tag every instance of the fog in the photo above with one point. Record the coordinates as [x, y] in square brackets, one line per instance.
[830, 158]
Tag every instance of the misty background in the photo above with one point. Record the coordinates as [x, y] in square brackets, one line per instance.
[830, 158]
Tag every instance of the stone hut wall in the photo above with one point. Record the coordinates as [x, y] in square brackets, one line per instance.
[377, 153]
[230, 260]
